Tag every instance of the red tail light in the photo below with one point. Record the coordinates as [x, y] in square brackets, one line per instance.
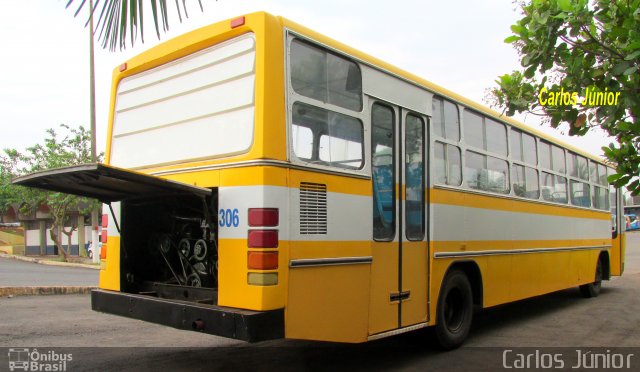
[263, 239]
[103, 236]
[263, 217]
[262, 260]
[105, 220]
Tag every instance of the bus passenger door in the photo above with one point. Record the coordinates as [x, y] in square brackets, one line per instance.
[399, 248]
[618, 226]
[414, 256]
[384, 306]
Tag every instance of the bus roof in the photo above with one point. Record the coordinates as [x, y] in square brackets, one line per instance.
[416, 80]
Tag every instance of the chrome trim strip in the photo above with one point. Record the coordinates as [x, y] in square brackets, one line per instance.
[516, 251]
[333, 261]
[254, 163]
[398, 331]
[239, 164]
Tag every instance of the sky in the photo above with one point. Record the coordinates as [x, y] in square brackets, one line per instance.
[44, 59]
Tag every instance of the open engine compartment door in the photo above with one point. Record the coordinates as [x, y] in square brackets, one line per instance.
[106, 183]
[167, 235]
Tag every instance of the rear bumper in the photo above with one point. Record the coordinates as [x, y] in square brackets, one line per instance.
[246, 325]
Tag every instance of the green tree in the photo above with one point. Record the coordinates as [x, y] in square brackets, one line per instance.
[72, 149]
[568, 45]
[117, 18]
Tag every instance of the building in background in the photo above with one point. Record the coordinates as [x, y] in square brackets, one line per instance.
[30, 234]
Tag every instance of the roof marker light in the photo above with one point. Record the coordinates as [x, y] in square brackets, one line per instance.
[237, 22]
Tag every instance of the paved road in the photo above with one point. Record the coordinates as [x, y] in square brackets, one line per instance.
[561, 319]
[15, 273]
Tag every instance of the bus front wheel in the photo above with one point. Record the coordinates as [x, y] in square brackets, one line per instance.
[593, 289]
[455, 310]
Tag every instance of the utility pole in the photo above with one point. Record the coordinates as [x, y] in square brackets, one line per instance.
[92, 86]
[92, 109]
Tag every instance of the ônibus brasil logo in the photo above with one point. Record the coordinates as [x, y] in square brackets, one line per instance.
[25, 359]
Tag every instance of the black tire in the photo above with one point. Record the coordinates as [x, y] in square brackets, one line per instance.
[455, 310]
[593, 289]
[90, 254]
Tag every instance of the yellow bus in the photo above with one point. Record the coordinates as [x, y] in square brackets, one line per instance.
[265, 181]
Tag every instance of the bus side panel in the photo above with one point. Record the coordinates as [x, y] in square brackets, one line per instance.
[328, 293]
[414, 281]
[497, 280]
[617, 254]
[383, 313]
[110, 267]
[245, 188]
[471, 226]
[270, 137]
[109, 277]
[556, 271]
[525, 276]
[328, 303]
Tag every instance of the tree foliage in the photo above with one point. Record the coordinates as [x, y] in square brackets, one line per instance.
[114, 19]
[73, 148]
[572, 46]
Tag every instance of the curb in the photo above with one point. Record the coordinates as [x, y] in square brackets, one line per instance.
[48, 262]
[68, 264]
[53, 290]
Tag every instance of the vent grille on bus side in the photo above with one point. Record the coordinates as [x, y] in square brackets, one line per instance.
[313, 208]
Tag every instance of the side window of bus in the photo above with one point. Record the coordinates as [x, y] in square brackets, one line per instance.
[552, 157]
[593, 172]
[578, 167]
[324, 76]
[325, 137]
[446, 119]
[448, 170]
[525, 181]
[446, 124]
[613, 203]
[382, 172]
[600, 198]
[559, 161]
[602, 175]
[486, 173]
[414, 170]
[554, 188]
[580, 194]
[484, 133]
[523, 147]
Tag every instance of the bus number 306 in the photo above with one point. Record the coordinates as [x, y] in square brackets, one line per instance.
[228, 218]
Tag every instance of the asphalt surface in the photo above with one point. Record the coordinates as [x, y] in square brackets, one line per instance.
[15, 273]
[563, 321]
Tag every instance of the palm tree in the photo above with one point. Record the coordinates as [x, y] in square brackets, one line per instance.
[116, 18]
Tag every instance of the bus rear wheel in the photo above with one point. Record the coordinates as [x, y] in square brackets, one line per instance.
[455, 310]
[593, 289]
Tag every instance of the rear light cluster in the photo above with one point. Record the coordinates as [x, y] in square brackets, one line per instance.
[103, 237]
[263, 238]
